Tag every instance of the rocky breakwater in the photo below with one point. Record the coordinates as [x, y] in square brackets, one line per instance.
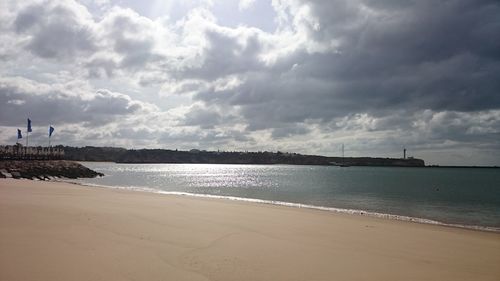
[45, 169]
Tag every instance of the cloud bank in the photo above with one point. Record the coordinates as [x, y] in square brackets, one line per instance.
[375, 75]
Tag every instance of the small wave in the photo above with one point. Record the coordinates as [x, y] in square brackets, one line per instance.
[294, 205]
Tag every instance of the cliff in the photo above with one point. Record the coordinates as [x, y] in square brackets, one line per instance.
[121, 155]
[45, 169]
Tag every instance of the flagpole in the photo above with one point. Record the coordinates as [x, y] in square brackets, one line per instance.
[51, 130]
[19, 136]
[28, 130]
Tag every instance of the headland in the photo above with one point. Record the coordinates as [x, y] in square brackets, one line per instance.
[121, 155]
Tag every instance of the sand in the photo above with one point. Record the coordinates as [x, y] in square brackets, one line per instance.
[59, 231]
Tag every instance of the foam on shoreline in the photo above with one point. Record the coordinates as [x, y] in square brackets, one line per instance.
[295, 205]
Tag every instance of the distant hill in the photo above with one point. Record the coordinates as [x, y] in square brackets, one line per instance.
[121, 155]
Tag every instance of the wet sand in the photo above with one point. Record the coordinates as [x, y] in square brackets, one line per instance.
[60, 231]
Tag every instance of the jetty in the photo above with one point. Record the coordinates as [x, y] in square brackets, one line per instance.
[42, 163]
[44, 169]
[20, 152]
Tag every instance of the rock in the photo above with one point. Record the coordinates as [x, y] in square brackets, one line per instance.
[45, 169]
[16, 175]
[5, 174]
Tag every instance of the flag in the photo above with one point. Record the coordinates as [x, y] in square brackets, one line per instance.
[51, 130]
[19, 135]
[29, 126]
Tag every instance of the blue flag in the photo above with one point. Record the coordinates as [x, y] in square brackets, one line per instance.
[19, 135]
[51, 130]
[29, 126]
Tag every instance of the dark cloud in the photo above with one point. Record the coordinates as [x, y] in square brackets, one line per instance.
[227, 54]
[416, 56]
[441, 56]
[474, 129]
[205, 118]
[101, 67]
[131, 38]
[289, 131]
[55, 30]
[52, 105]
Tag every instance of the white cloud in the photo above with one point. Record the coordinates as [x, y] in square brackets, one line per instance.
[245, 4]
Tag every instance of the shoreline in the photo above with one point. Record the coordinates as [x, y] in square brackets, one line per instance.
[63, 231]
[355, 212]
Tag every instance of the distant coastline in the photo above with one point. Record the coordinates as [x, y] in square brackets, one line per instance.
[194, 156]
[454, 166]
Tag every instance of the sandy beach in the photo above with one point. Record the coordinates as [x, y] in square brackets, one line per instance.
[60, 231]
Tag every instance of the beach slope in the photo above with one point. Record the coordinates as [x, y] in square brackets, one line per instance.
[60, 231]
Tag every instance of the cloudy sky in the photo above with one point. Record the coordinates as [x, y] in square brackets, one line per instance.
[290, 75]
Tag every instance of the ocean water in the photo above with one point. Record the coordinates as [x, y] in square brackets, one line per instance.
[459, 196]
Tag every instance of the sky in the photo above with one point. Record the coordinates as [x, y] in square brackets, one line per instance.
[289, 75]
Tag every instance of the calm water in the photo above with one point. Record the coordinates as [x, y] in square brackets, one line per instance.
[449, 195]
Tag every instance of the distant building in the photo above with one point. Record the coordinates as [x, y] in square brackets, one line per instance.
[20, 152]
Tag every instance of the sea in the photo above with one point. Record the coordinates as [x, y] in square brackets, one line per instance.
[460, 197]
